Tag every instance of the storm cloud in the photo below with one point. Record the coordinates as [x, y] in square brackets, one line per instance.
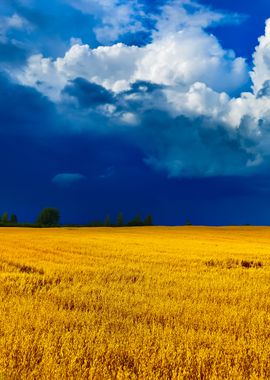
[147, 96]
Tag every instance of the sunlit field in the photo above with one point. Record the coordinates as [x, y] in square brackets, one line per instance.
[135, 303]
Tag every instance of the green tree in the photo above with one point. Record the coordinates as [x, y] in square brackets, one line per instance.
[13, 219]
[107, 221]
[4, 218]
[120, 220]
[137, 221]
[148, 221]
[48, 217]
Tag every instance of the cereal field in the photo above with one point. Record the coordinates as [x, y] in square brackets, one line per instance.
[135, 303]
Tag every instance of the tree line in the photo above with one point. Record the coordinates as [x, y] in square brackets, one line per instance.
[6, 220]
[120, 222]
[50, 217]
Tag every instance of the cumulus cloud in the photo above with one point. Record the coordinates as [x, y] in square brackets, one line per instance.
[181, 93]
[88, 94]
[175, 15]
[68, 179]
[115, 18]
[182, 58]
[107, 66]
[135, 16]
[199, 147]
[189, 56]
[261, 70]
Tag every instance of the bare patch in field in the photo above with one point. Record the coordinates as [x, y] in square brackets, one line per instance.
[234, 263]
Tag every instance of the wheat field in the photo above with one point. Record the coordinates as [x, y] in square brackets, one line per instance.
[135, 303]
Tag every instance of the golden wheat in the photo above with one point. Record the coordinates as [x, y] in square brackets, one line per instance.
[135, 303]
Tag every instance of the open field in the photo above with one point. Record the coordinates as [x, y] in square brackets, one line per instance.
[135, 303]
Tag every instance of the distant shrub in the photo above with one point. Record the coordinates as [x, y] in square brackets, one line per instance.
[107, 222]
[148, 221]
[136, 222]
[4, 218]
[120, 220]
[13, 219]
[48, 217]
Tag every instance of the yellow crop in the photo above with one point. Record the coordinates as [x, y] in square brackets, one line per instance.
[135, 303]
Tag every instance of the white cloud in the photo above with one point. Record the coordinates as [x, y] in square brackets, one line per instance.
[181, 52]
[115, 18]
[198, 100]
[109, 66]
[9, 23]
[176, 15]
[261, 71]
[191, 122]
[189, 56]
[181, 58]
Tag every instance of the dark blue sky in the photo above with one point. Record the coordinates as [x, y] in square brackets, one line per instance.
[135, 107]
[242, 39]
